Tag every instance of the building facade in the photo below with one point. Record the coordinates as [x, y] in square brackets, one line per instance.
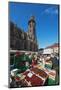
[20, 40]
[53, 49]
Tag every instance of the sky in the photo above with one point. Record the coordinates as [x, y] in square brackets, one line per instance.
[46, 17]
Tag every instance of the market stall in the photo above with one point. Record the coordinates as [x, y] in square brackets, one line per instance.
[33, 77]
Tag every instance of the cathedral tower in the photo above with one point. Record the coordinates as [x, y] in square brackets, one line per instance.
[31, 28]
[32, 40]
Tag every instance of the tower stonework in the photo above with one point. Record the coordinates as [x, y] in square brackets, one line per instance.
[20, 40]
[32, 44]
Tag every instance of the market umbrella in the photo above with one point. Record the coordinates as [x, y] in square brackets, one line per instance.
[23, 57]
[21, 60]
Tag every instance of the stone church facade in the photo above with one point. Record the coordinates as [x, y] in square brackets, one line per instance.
[20, 40]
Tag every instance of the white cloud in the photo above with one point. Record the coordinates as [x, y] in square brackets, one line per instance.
[50, 10]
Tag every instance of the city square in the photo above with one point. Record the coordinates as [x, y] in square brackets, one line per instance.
[33, 63]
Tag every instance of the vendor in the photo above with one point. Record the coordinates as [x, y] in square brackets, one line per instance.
[34, 61]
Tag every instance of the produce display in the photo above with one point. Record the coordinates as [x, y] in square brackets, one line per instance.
[30, 70]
